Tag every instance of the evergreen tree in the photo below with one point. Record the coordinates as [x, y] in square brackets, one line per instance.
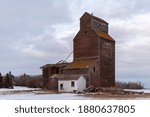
[11, 80]
[1, 80]
[8, 80]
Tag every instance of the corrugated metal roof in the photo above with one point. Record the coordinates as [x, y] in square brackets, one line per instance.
[104, 35]
[80, 64]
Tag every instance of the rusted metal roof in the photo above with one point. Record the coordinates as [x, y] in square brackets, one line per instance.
[104, 35]
[80, 64]
[54, 65]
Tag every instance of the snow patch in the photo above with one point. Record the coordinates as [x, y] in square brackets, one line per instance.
[139, 90]
[18, 88]
[6, 94]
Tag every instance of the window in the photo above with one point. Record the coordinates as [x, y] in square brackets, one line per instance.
[61, 86]
[72, 83]
[94, 69]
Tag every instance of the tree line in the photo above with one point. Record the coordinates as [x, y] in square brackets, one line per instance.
[31, 81]
[6, 81]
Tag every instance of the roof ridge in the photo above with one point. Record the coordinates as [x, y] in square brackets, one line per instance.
[98, 18]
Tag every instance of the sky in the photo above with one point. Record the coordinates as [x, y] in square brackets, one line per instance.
[37, 32]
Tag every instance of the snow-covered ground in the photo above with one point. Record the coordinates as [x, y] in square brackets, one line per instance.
[17, 88]
[24, 93]
[32, 94]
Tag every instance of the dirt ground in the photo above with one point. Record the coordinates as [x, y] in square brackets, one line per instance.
[116, 93]
[118, 96]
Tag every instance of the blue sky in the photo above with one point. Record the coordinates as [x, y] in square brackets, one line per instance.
[37, 32]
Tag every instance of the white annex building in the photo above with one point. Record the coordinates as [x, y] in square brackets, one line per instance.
[73, 83]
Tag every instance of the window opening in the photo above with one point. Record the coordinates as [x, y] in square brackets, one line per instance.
[72, 84]
[94, 69]
[61, 86]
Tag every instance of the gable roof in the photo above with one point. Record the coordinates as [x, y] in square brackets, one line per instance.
[69, 77]
[92, 16]
[80, 64]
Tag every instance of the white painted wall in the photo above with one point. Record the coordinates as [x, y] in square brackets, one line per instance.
[67, 85]
[80, 85]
